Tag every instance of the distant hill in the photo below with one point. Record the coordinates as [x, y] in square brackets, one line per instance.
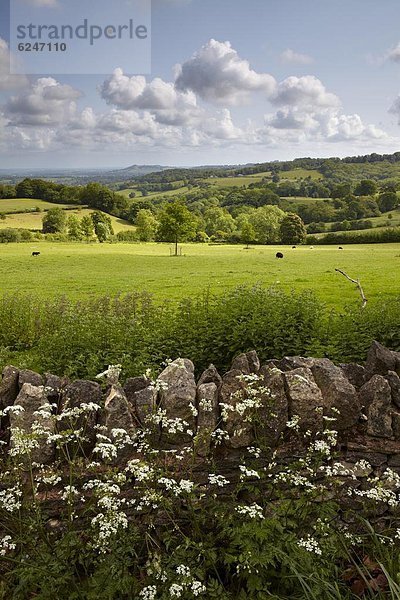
[139, 170]
[375, 166]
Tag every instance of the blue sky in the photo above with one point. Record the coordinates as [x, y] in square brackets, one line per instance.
[231, 81]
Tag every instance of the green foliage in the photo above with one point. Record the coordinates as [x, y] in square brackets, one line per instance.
[266, 222]
[98, 196]
[375, 236]
[218, 220]
[81, 339]
[292, 230]
[247, 233]
[388, 201]
[146, 225]
[87, 227]
[47, 190]
[54, 221]
[126, 236]
[176, 223]
[102, 225]
[7, 191]
[74, 228]
[366, 187]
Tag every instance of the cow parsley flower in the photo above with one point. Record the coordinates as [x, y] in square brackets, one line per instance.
[250, 473]
[310, 544]
[148, 593]
[254, 511]
[175, 591]
[218, 480]
[6, 545]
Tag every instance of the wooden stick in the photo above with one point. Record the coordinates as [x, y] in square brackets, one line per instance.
[358, 284]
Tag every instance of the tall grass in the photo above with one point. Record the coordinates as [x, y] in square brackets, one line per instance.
[80, 339]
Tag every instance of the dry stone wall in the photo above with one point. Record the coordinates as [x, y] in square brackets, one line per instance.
[364, 400]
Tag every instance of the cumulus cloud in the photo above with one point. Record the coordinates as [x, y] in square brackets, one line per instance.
[159, 114]
[289, 56]
[7, 81]
[326, 124]
[222, 127]
[47, 102]
[217, 74]
[307, 111]
[168, 105]
[307, 91]
[291, 119]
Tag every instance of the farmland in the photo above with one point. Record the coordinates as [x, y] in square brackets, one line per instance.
[21, 204]
[33, 220]
[80, 270]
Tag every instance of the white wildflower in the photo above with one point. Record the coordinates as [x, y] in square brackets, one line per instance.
[254, 511]
[148, 593]
[218, 480]
[310, 544]
[175, 591]
[6, 545]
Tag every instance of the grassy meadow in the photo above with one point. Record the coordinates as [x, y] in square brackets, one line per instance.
[81, 270]
[34, 220]
[13, 205]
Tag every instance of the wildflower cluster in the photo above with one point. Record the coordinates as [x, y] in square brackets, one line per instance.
[155, 515]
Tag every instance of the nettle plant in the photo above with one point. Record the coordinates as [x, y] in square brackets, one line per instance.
[129, 518]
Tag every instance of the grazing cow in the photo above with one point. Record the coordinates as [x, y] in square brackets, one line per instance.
[294, 247]
[35, 253]
[340, 248]
[279, 255]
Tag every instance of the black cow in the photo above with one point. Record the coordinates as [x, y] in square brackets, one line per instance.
[35, 253]
[294, 247]
[340, 248]
[279, 255]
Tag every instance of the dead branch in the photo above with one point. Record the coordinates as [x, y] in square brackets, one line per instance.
[358, 284]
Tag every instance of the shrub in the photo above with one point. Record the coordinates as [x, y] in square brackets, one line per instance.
[81, 338]
[126, 236]
[379, 236]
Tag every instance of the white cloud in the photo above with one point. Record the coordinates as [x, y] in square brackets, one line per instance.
[309, 112]
[222, 127]
[394, 54]
[168, 105]
[160, 114]
[326, 124]
[47, 102]
[289, 56]
[291, 119]
[8, 81]
[307, 91]
[217, 74]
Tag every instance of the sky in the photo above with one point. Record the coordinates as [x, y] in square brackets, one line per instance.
[230, 82]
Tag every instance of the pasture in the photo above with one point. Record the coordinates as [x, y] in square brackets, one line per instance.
[13, 205]
[34, 220]
[80, 270]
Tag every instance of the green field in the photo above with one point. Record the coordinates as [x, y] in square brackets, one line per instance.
[79, 270]
[238, 181]
[138, 194]
[16, 204]
[34, 220]
[301, 174]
